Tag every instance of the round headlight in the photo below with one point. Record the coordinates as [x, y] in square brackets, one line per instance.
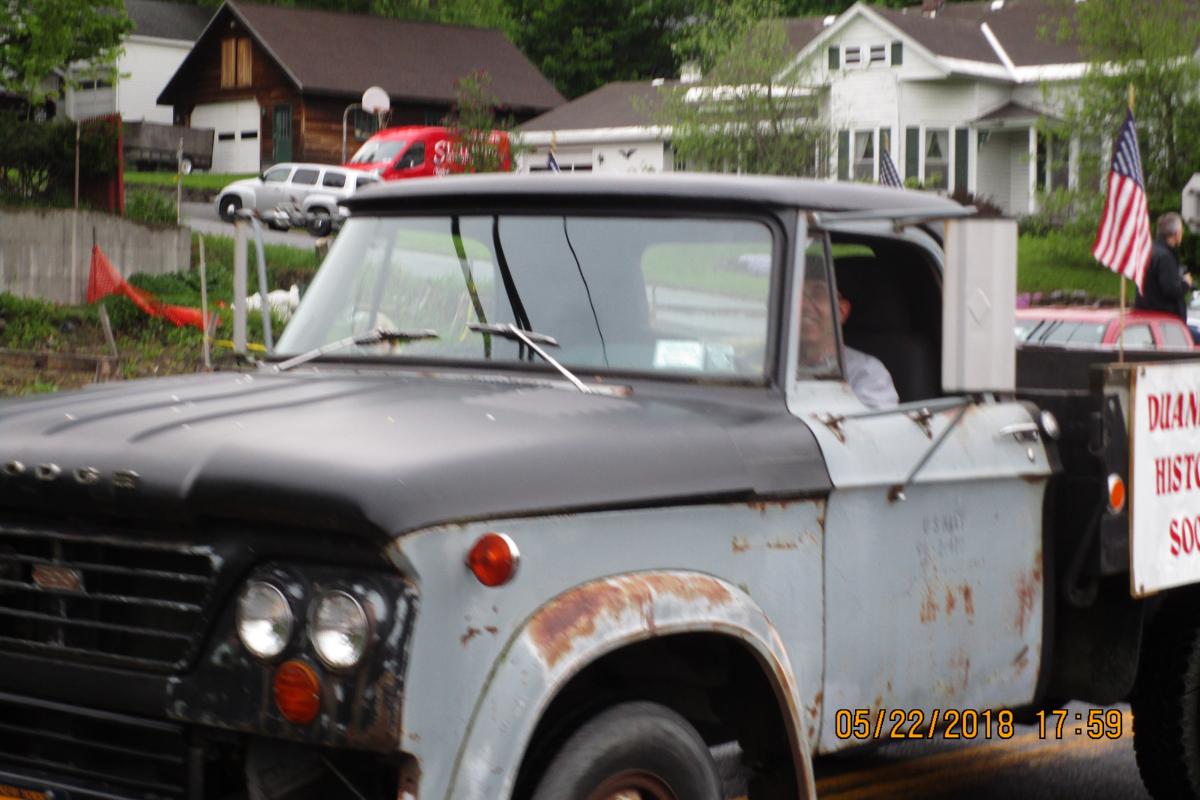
[264, 620]
[339, 630]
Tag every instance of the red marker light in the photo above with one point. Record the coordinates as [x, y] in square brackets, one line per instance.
[493, 559]
[297, 692]
[1116, 493]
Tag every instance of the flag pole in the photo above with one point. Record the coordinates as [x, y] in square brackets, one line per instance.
[1121, 314]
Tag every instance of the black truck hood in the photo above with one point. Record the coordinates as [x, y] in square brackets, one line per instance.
[382, 453]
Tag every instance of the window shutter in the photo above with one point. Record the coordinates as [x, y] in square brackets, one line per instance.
[835, 57]
[843, 163]
[897, 53]
[912, 152]
[228, 59]
[960, 159]
[243, 62]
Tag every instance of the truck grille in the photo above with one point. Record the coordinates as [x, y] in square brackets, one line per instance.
[102, 599]
[98, 754]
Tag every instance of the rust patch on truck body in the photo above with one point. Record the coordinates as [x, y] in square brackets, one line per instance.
[583, 612]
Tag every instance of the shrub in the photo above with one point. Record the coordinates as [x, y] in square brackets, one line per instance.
[1072, 212]
[149, 206]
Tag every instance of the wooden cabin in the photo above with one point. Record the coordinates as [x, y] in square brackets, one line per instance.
[275, 82]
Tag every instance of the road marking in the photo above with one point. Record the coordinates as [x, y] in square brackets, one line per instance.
[944, 770]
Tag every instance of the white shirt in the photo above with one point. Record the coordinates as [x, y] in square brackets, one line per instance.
[870, 380]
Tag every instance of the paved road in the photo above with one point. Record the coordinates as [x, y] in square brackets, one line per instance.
[1026, 767]
[202, 218]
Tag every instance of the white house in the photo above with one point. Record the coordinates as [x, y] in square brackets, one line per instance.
[953, 92]
[162, 36]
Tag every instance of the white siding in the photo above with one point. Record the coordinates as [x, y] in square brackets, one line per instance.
[145, 67]
[628, 157]
[88, 103]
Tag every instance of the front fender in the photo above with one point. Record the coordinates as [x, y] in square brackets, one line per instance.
[586, 622]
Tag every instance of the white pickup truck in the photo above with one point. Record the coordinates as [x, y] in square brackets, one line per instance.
[544, 496]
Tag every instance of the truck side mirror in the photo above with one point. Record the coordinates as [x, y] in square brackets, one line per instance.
[979, 351]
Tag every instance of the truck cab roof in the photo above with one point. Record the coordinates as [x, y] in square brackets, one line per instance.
[705, 189]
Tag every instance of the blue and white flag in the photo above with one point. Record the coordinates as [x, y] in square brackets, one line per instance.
[888, 174]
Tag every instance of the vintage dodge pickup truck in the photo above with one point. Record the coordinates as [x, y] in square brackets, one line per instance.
[551, 490]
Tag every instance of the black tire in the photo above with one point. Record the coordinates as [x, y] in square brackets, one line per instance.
[229, 207]
[639, 747]
[1166, 708]
[319, 222]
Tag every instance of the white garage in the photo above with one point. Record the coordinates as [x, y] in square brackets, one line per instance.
[238, 125]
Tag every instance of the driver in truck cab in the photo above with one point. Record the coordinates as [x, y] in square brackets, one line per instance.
[868, 377]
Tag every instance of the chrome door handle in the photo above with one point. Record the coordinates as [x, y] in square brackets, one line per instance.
[1021, 431]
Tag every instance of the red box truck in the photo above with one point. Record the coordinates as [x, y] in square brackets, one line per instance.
[417, 151]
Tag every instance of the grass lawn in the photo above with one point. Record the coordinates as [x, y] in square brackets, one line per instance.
[1059, 261]
[202, 181]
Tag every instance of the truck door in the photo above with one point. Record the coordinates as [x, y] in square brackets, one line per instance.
[933, 532]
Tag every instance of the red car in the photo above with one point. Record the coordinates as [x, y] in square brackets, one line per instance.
[418, 151]
[1072, 326]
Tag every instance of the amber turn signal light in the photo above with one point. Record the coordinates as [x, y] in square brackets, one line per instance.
[297, 692]
[493, 559]
[1116, 493]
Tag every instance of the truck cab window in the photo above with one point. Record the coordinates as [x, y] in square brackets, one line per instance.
[895, 294]
[415, 157]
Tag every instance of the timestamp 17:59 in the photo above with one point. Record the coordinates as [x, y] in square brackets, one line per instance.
[1096, 723]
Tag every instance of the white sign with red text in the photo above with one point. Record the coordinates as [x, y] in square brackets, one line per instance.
[1165, 509]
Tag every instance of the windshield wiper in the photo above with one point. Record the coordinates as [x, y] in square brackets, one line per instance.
[370, 337]
[531, 340]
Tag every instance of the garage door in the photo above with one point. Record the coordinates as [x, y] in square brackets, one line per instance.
[237, 125]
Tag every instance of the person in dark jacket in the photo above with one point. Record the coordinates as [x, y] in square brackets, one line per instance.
[1166, 284]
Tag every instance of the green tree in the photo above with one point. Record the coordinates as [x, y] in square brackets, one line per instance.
[1147, 44]
[39, 36]
[753, 112]
[481, 139]
[579, 45]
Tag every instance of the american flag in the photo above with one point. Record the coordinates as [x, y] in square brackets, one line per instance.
[552, 162]
[888, 175]
[1123, 240]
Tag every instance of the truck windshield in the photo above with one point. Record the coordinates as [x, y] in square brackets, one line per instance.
[679, 295]
[378, 151]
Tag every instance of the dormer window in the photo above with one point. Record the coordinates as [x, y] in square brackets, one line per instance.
[878, 53]
[853, 56]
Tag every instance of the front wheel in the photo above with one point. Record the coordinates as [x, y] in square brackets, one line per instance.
[633, 751]
[229, 207]
[1166, 708]
[319, 222]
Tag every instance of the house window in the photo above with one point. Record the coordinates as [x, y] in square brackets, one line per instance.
[853, 56]
[843, 155]
[937, 158]
[878, 53]
[235, 62]
[897, 53]
[1053, 161]
[864, 155]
